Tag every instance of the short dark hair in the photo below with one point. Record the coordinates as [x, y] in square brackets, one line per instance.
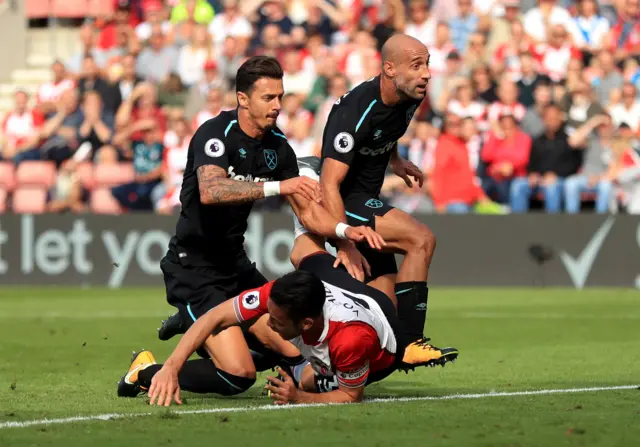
[301, 294]
[257, 67]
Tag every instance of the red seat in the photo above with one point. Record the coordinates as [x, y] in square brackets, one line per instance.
[85, 173]
[7, 176]
[30, 200]
[107, 175]
[36, 173]
[102, 202]
[67, 8]
[3, 200]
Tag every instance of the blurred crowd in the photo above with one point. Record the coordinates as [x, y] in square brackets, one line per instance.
[531, 103]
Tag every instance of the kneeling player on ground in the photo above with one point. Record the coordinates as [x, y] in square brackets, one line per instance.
[347, 331]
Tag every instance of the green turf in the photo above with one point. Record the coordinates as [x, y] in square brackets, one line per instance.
[62, 351]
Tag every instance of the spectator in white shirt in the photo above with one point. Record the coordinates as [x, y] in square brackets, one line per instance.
[50, 93]
[589, 29]
[538, 21]
[301, 140]
[628, 111]
[421, 25]
[153, 15]
[295, 79]
[230, 22]
[194, 55]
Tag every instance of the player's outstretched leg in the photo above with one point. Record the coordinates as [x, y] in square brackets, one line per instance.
[230, 370]
[417, 243]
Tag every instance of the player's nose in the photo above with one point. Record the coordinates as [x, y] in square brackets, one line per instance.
[426, 74]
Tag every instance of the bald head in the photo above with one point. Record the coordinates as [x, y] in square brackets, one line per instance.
[405, 63]
[400, 46]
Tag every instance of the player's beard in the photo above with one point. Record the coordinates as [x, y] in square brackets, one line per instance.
[404, 90]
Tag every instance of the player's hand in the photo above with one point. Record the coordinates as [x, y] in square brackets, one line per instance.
[306, 187]
[362, 233]
[405, 170]
[282, 391]
[165, 387]
[356, 264]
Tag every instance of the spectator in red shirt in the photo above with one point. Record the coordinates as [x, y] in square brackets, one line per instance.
[122, 20]
[506, 155]
[624, 38]
[452, 183]
[19, 133]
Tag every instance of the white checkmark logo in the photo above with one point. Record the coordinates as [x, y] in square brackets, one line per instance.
[580, 267]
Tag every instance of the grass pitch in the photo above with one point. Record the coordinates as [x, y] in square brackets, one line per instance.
[62, 351]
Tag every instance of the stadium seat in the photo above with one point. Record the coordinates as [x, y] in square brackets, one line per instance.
[107, 175]
[85, 173]
[7, 176]
[36, 173]
[102, 202]
[67, 8]
[3, 200]
[29, 200]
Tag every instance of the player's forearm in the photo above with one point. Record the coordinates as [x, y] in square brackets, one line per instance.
[314, 217]
[332, 201]
[332, 397]
[222, 191]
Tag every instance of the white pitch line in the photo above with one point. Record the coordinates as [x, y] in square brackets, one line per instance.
[111, 416]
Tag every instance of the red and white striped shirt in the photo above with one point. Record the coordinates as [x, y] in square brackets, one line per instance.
[555, 61]
[438, 58]
[356, 339]
[52, 92]
[19, 127]
[498, 109]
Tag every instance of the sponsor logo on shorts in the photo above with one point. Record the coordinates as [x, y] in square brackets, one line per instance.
[373, 203]
[251, 300]
[214, 148]
[271, 158]
[343, 142]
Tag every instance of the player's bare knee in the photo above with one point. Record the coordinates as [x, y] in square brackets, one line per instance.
[422, 240]
[244, 371]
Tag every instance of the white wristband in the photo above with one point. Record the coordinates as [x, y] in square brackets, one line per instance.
[340, 230]
[271, 189]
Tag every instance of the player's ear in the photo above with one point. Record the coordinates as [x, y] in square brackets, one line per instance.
[306, 324]
[389, 69]
[243, 100]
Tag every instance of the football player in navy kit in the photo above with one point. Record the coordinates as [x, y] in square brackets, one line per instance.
[359, 142]
[233, 160]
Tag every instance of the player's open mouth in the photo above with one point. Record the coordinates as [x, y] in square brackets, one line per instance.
[421, 88]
